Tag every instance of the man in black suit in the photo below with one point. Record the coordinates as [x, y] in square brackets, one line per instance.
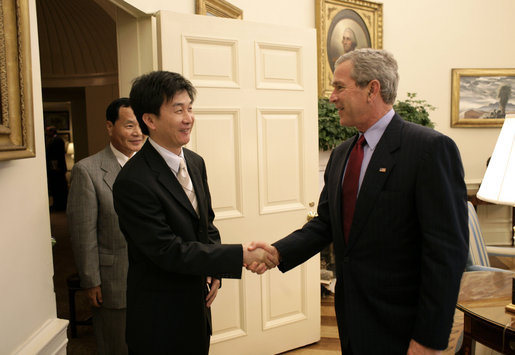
[400, 259]
[164, 208]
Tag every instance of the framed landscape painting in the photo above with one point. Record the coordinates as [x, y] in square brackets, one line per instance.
[482, 97]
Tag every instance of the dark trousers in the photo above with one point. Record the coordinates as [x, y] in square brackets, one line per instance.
[109, 328]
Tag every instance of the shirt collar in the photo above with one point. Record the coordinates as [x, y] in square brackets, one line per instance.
[374, 133]
[122, 158]
[172, 160]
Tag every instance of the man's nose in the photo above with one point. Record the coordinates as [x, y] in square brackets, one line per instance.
[189, 117]
[333, 97]
[137, 131]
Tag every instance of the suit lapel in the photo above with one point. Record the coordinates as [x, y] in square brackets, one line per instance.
[109, 166]
[378, 170]
[166, 177]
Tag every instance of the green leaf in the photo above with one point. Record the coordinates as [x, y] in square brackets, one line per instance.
[331, 133]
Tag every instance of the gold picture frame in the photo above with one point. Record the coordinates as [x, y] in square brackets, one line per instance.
[481, 97]
[357, 19]
[16, 118]
[218, 8]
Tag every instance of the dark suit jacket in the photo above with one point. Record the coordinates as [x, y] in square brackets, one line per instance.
[398, 277]
[171, 250]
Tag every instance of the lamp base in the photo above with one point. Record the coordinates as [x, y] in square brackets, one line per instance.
[510, 308]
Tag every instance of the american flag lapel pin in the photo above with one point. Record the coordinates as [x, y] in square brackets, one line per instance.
[382, 170]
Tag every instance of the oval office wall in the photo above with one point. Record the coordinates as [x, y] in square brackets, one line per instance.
[428, 38]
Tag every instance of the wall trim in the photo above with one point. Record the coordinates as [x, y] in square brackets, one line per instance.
[50, 339]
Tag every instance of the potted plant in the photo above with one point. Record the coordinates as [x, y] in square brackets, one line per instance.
[331, 133]
[414, 110]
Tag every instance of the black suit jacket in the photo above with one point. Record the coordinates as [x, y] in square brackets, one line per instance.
[398, 277]
[171, 251]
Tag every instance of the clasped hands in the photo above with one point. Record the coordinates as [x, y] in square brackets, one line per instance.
[259, 257]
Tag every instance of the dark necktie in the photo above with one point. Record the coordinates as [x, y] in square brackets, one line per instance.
[351, 184]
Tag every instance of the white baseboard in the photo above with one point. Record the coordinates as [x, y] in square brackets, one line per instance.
[50, 339]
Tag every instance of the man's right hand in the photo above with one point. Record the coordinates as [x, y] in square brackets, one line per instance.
[258, 259]
[95, 296]
[270, 260]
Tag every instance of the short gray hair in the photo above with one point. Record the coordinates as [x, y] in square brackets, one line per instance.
[374, 64]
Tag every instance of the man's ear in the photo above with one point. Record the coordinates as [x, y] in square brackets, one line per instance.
[109, 126]
[374, 88]
[149, 119]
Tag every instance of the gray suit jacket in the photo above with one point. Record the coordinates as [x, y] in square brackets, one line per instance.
[98, 244]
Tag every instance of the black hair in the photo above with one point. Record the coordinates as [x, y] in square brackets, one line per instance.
[113, 110]
[150, 91]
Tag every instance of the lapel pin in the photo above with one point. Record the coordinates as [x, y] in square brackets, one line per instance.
[382, 170]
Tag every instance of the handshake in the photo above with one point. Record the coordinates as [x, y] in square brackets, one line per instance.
[259, 257]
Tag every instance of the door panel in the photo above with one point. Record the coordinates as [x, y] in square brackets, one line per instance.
[256, 127]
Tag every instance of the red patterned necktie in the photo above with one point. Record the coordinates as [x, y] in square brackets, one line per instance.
[351, 184]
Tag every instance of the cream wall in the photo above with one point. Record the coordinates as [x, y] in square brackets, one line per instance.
[428, 38]
[27, 303]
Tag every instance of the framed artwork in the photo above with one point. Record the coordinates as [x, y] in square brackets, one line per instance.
[482, 97]
[59, 115]
[342, 26]
[218, 8]
[58, 119]
[16, 116]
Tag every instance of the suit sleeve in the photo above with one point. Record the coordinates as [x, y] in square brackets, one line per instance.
[147, 230]
[82, 222]
[442, 213]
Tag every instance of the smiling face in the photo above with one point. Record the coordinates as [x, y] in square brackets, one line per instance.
[125, 134]
[172, 128]
[350, 100]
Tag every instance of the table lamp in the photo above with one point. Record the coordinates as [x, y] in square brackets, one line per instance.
[498, 185]
[70, 150]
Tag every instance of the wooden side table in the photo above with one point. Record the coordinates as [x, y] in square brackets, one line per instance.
[483, 297]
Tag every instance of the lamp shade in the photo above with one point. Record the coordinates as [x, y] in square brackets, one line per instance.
[498, 185]
[70, 149]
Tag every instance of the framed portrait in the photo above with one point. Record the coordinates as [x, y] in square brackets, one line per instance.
[343, 26]
[218, 8]
[16, 116]
[482, 97]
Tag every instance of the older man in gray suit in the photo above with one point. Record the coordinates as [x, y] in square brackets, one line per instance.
[98, 244]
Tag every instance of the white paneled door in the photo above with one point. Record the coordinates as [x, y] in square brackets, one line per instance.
[256, 127]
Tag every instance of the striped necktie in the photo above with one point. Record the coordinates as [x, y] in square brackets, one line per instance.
[187, 185]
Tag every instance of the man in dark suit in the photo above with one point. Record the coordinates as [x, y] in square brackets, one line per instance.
[401, 252]
[163, 203]
[99, 247]
[55, 152]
